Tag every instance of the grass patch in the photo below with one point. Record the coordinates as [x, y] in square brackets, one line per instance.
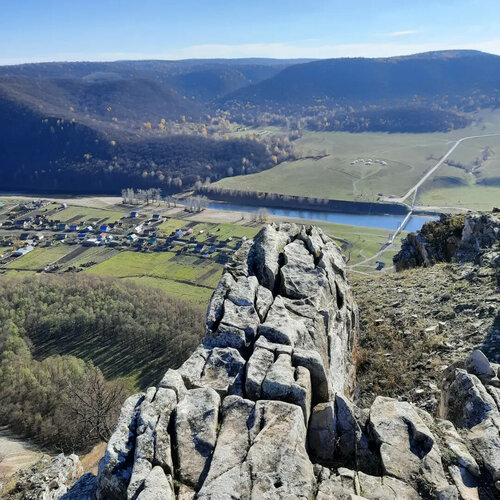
[88, 214]
[186, 277]
[39, 258]
[183, 291]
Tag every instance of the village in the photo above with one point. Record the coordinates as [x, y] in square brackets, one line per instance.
[45, 224]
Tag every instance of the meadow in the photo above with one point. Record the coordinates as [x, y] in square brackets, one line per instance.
[326, 168]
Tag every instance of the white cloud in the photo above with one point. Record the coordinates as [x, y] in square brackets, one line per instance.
[274, 50]
[402, 33]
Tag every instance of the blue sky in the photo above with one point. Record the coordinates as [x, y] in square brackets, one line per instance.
[74, 30]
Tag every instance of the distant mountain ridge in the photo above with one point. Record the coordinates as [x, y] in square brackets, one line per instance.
[115, 124]
[457, 74]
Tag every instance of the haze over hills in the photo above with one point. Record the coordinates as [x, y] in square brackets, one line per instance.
[122, 122]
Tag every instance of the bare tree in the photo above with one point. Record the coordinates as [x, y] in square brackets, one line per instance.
[94, 404]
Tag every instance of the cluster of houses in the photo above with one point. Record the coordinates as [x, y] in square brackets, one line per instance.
[134, 230]
[40, 230]
[369, 161]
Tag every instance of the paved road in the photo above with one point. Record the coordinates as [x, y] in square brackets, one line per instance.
[434, 168]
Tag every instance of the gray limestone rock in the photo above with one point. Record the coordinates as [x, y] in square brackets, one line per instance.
[457, 447]
[229, 476]
[384, 488]
[353, 444]
[466, 402]
[115, 468]
[50, 478]
[322, 432]
[173, 380]
[478, 364]
[465, 483]
[267, 250]
[157, 486]
[279, 464]
[485, 439]
[219, 368]
[408, 449]
[216, 306]
[196, 433]
[257, 367]
[263, 302]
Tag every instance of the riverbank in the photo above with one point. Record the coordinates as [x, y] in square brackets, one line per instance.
[387, 221]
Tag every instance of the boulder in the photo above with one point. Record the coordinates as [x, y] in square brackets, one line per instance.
[465, 483]
[196, 433]
[229, 476]
[384, 488]
[322, 433]
[115, 468]
[466, 402]
[219, 368]
[257, 367]
[157, 486]
[267, 250]
[353, 444]
[173, 380]
[408, 449]
[456, 445]
[485, 439]
[478, 364]
[279, 464]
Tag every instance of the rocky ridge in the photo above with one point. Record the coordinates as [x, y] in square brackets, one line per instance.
[460, 238]
[263, 408]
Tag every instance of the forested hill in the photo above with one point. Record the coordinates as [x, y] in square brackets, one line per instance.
[91, 127]
[465, 79]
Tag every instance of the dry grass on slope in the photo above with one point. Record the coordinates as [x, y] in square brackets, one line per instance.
[416, 323]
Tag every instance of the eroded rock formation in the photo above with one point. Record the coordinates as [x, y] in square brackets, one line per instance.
[232, 421]
[263, 409]
[460, 238]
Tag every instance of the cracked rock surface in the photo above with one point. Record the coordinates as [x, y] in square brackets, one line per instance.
[263, 410]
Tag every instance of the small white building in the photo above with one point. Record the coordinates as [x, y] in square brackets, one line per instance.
[23, 251]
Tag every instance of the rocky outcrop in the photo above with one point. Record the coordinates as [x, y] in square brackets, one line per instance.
[460, 238]
[49, 479]
[232, 421]
[263, 408]
[471, 400]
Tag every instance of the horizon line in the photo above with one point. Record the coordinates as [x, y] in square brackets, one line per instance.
[159, 58]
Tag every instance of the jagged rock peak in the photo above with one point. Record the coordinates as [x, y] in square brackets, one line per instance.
[462, 238]
[280, 339]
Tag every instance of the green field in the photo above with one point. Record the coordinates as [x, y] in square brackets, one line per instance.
[221, 231]
[466, 185]
[39, 258]
[408, 157]
[184, 276]
[88, 214]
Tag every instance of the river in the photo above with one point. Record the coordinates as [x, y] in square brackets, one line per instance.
[389, 222]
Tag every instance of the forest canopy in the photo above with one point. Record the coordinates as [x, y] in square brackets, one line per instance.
[69, 341]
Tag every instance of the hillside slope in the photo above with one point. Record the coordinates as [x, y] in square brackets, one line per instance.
[447, 78]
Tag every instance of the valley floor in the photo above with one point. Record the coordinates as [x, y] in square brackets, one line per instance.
[372, 166]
